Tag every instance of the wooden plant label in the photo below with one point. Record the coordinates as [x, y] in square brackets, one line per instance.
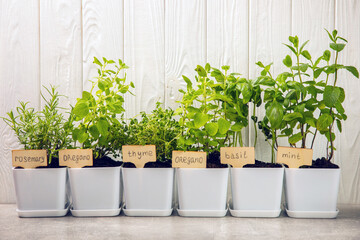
[189, 159]
[29, 158]
[294, 157]
[237, 156]
[139, 155]
[76, 158]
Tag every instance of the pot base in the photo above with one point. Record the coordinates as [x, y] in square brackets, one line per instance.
[147, 212]
[202, 213]
[312, 214]
[96, 212]
[43, 213]
[255, 213]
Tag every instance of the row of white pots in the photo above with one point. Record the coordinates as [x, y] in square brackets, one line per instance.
[256, 192]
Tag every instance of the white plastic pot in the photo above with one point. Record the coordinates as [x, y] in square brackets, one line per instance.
[41, 192]
[312, 191]
[256, 192]
[202, 191]
[95, 191]
[148, 191]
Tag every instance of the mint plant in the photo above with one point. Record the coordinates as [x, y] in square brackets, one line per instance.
[300, 99]
[97, 111]
[46, 129]
[158, 128]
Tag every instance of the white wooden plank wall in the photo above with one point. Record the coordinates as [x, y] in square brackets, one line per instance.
[54, 42]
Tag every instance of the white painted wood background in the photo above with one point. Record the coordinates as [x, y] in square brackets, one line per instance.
[43, 42]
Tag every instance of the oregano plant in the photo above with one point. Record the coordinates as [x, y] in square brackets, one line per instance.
[213, 112]
[98, 111]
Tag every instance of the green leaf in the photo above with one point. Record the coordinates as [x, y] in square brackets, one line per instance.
[275, 113]
[237, 127]
[324, 121]
[339, 108]
[212, 128]
[81, 109]
[311, 122]
[190, 141]
[327, 55]
[338, 123]
[86, 95]
[96, 61]
[188, 82]
[201, 71]
[103, 126]
[291, 48]
[317, 72]
[200, 119]
[338, 47]
[295, 138]
[94, 132]
[291, 116]
[306, 54]
[224, 125]
[80, 135]
[303, 67]
[353, 70]
[303, 45]
[287, 61]
[331, 95]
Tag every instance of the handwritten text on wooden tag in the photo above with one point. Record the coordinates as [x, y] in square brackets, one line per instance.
[189, 159]
[237, 156]
[29, 158]
[139, 155]
[76, 158]
[294, 157]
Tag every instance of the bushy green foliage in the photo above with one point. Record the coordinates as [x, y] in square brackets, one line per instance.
[215, 110]
[98, 110]
[157, 128]
[305, 100]
[46, 129]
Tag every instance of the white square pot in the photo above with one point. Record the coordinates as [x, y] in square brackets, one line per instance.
[40, 189]
[148, 189]
[256, 192]
[202, 189]
[96, 188]
[312, 190]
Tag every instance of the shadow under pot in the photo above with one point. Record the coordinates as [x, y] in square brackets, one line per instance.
[41, 192]
[256, 192]
[95, 191]
[202, 192]
[312, 193]
[148, 191]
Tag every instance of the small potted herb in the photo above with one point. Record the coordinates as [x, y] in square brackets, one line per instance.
[148, 191]
[206, 115]
[313, 104]
[41, 191]
[256, 188]
[96, 189]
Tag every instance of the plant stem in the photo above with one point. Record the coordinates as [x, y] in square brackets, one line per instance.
[255, 129]
[273, 146]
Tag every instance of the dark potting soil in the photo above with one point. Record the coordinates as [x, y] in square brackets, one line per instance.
[260, 164]
[321, 163]
[149, 165]
[213, 160]
[105, 162]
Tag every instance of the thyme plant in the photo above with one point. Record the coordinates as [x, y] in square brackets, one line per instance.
[158, 128]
